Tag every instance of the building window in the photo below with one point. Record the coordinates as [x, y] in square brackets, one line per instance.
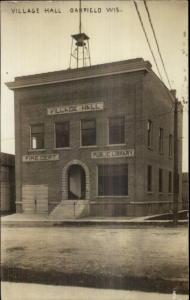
[149, 133]
[113, 180]
[170, 145]
[170, 182]
[117, 130]
[62, 134]
[161, 140]
[160, 180]
[88, 132]
[149, 178]
[37, 136]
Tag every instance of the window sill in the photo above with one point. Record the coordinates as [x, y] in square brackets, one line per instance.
[115, 145]
[90, 146]
[124, 196]
[150, 148]
[161, 153]
[36, 150]
[63, 148]
[150, 193]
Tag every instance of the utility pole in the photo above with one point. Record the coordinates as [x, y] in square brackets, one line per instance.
[175, 166]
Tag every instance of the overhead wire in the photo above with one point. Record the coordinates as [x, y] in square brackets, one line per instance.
[156, 40]
[147, 39]
[151, 50]
[158, 47]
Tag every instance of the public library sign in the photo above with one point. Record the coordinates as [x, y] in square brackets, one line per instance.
[112, 153]
[58, 110]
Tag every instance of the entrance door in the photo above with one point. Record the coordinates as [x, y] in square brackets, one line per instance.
[35, 198]
[76, 183]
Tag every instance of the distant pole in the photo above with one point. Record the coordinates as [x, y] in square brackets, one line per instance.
[175, 166]
[79, 16]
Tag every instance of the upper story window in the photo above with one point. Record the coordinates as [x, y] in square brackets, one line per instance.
[117, 130]
[62, 134]
[149, 133]
[170, 145]
[88, 132]
[161, 140]
[149, 178]
[37, 136]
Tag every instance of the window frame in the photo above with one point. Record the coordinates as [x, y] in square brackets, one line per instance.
[60, 122]
[97, 182]
[160, 181]
[31, 136]
[149, 183]
[170, 181]
[108, 130]
[149, 134]
[161, 140]
[81, 136]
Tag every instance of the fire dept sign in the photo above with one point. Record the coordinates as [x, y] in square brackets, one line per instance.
[40, 157]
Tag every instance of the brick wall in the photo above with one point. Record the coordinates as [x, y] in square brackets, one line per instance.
[138, 96]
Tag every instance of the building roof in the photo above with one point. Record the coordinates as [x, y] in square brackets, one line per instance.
[101, 70]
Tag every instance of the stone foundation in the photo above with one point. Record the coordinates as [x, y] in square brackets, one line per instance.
[129, 209]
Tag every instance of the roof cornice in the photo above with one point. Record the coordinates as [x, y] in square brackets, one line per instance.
[97, 71]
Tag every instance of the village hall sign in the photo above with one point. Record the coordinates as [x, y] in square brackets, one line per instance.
[58, 110]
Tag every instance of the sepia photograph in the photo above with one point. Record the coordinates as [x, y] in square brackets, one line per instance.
[94, 184]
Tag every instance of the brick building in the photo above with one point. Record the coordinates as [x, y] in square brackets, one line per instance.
[7, 183]
[95, 141]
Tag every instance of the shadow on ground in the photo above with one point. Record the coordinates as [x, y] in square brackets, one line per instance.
[95, 280]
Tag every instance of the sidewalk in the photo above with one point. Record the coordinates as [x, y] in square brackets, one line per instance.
[12, 291]
[32, 220]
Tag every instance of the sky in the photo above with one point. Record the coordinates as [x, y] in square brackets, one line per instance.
[40, 42]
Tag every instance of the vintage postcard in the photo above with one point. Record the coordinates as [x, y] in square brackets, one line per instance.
[94, 150]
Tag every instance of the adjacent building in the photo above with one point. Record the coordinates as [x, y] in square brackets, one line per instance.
[95, 141]
[7, 183]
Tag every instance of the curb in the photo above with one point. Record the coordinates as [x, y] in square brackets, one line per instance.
[81, 223]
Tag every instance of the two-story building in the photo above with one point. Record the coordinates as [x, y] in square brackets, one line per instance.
[95, 141]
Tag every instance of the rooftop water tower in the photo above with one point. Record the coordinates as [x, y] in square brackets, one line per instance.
[80, 51]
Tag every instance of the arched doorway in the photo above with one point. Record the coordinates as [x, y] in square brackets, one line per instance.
[73, 167]
[76, 183]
